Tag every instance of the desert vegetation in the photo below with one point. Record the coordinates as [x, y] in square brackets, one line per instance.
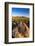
[20, 27]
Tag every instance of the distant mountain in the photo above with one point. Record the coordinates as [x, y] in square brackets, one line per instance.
[20, 17]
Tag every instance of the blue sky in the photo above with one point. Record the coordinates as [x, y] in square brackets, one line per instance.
[20, 11]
